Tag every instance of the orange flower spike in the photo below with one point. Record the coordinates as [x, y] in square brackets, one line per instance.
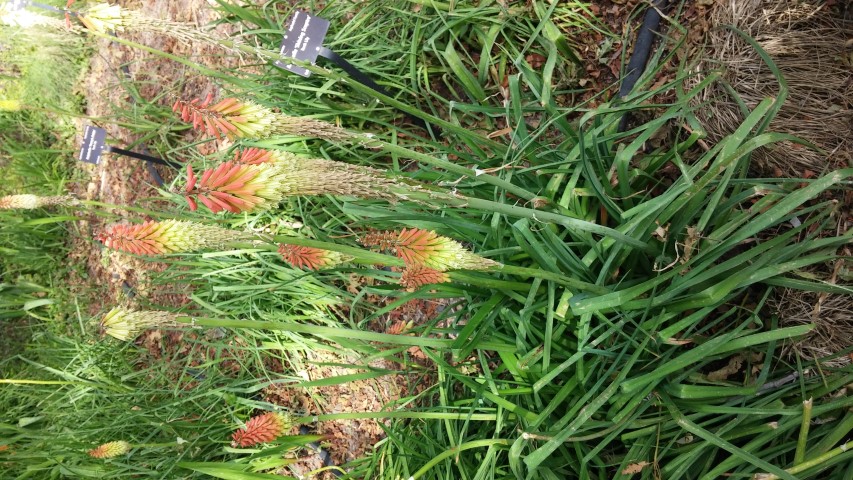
[228, 117]
[415, 276]
[253, 156]
[235, 118]
[110, 450]
[168, 236]
[310, 258]
[237, 187]
[427, 248]
[261, 429]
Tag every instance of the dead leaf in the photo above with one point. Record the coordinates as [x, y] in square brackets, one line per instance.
[535, 60]
[689, 244]
[500, 133]
[635, 468]
[724, 373]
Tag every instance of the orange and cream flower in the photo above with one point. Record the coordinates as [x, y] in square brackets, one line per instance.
[110, 450]
[429, 249]
[168, 236]
[257, 179]
[310, 258]
[233, 118]
[261, 429]
[415, 276]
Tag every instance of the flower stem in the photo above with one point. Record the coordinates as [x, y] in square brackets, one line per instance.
[453, 168]
[555, 277]
[800, 453]
[814, 462]
[538, 216]
[334, 332]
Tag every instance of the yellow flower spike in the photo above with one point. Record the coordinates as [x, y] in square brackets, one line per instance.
[110, 450]
[125, 324]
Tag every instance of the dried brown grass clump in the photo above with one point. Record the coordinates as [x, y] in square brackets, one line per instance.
[833, 319]
[807, 43]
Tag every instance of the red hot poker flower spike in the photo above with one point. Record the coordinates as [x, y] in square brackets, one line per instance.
[261, 429]
[415, 276]
[310, 258]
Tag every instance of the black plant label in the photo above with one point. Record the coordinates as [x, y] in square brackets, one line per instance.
[302, 40]
[94, 143]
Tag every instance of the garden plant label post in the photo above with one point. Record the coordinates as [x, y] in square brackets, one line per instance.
[94, 143]
[303, 41]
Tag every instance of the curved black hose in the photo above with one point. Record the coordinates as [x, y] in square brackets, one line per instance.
[324, 455]
[642, 50]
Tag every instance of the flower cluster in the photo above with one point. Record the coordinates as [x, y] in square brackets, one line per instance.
[261, 429]
[168, 236]
[233, 118]
[228, 118]
[429, 249]
[310, 258]
[415, 276]
[110, 450]
[125, 325]
[257, 179]
[104, 18]
[29, 202]
[235, 187]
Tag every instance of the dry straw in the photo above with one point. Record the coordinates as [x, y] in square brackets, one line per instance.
[832, 316]
[807, 42]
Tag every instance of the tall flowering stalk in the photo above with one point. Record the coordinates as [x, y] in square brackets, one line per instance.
[168, 236]
[110, 450]
[233, 118]
[105, 18]
[310, 258]
[261, 429]
[125, 324]
[429, 249]
[257, 179]
[29, 202]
